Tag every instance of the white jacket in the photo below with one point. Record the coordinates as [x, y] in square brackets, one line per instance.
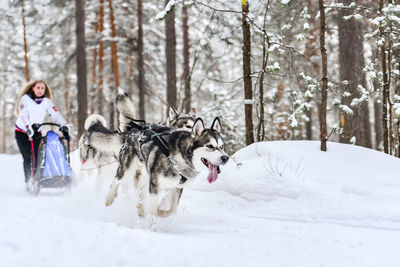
[31, 112]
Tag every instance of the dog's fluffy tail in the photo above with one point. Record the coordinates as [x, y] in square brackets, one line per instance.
[95, 119]
[106, 142]
[126, 110]
[100, 137]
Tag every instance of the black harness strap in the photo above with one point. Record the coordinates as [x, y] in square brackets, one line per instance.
[151, 132]
[161, 143]
[157, 139]
[154, 133]
[133, 123]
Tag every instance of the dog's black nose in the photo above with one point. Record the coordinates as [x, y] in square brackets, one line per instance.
[224, 159]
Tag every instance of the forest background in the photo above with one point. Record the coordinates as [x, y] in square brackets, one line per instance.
[271, 70]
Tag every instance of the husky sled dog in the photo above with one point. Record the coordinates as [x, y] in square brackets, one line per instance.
[93, 160]
[96, 159]
[165, 162]
[181, 121]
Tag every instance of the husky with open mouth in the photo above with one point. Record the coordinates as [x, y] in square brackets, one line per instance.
[164, 162]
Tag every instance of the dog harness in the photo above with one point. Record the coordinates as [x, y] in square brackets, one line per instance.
[151, 132]
[154, 133]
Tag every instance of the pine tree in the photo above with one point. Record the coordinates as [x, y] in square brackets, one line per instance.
[81, 64]
[248, 91]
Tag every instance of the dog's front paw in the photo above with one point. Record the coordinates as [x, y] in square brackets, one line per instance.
[140, 210]
[164, 213]
[110, 198]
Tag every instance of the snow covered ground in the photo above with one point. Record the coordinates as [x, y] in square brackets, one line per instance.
[279, 204]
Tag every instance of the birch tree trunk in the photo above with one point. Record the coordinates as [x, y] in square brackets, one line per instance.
[81, 64]
[248, 92]
[324, 87]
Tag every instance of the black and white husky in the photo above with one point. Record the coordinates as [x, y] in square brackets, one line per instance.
[158, 169]
[97, 160]
[181, 121]
[101, 161]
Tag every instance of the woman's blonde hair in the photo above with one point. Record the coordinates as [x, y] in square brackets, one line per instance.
[28, 89]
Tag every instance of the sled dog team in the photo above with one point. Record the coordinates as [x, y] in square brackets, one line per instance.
[162, 159]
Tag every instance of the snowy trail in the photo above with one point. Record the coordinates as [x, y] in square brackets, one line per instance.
[249, 217]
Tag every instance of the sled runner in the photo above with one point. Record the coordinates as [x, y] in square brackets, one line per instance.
[52, 168]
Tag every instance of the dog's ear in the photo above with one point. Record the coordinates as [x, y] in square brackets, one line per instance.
[198, 127]
[216, 125]
[173, 114]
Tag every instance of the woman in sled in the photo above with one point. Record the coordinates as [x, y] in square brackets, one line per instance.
[33, 104]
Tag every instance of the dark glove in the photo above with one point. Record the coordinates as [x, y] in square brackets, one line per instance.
[35, 127]
[65, 130]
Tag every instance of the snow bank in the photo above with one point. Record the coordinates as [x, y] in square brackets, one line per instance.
[274, 204]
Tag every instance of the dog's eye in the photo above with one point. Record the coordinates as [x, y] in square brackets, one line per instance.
[222, 147]
[210, 146]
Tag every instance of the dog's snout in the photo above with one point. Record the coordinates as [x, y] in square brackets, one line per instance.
[224, 159]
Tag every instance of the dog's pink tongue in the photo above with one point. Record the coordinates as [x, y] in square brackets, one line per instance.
[213, 174]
